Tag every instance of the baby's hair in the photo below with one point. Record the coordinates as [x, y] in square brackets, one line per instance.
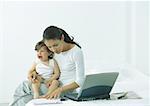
[41, 44]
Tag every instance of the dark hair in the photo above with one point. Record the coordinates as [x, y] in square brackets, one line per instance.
[53, 32]
[41, 44]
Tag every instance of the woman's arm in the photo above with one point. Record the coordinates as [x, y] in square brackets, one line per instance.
[69, 87]
[79, 63]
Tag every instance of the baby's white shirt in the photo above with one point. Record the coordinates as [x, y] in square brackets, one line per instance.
[44, 70]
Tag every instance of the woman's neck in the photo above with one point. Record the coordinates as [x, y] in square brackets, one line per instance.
[67, 46]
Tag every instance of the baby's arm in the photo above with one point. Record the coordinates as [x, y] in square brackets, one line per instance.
[32, 71]
[33, 76]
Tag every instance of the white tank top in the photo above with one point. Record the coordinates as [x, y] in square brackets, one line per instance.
[44, 70]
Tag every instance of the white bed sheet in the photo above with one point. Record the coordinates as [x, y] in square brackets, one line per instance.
[127, 102]
[135, 81]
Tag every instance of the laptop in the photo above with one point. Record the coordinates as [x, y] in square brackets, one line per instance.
[95, 86]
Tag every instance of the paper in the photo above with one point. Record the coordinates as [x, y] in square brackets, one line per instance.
[45, 101]
[124, 95]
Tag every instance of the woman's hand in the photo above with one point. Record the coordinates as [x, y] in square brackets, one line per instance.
[54, 95]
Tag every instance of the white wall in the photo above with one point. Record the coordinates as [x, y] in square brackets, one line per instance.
[138, 35]
[142, 36]
[1, 63]
[101, 28]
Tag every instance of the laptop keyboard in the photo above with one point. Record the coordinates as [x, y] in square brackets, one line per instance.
[94, 98]
[74, 97]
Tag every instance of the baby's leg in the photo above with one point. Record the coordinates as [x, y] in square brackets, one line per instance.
[35, 87]
[53, 86]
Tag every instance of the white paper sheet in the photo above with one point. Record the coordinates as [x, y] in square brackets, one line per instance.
[40, 102]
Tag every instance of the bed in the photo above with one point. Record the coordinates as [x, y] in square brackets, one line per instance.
[128, 80]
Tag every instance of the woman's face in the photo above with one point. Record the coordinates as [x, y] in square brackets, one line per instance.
[55, 46]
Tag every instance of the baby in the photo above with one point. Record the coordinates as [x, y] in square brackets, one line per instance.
[44, 70]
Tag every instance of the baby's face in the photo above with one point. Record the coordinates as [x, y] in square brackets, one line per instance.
[43, 54]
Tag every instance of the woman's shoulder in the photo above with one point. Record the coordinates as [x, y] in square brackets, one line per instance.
[75, 49]
[76, 52]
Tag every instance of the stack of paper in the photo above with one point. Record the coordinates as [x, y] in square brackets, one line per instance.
[124, 95]
[45, 101]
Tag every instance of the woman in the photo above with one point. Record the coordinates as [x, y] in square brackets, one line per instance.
[69, 56]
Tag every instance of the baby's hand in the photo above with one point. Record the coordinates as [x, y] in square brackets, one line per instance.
[30, 76]
[33, 77]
